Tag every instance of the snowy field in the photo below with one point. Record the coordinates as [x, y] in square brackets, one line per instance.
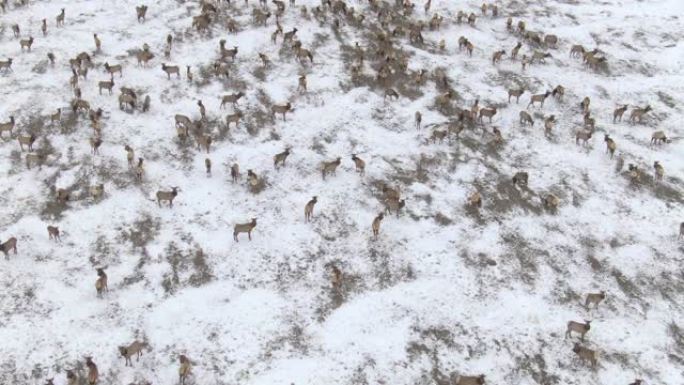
[445, 290]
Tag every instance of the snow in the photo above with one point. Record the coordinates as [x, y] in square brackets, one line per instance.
[443, 290]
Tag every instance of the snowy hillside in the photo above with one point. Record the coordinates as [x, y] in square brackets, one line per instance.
[446, 289]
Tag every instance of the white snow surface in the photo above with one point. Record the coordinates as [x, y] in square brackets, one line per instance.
[443, 291]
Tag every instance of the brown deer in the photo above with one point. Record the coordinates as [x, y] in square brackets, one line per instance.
[308, 209]
[376, 224]
[235, 172]
[101, 282]
[184, 369]
[578, 327]
[539, 98]
[617, 114]
[93, 374]
[244, 228]
[135, 348]
[359, 163]
[167, 196]
[610, 145]
[281, 109]
[232, 98]
[526, 118]
[594, 299]
[586, 354]
[8, 245]
[330, 167]
[516, 94]
[280, 158]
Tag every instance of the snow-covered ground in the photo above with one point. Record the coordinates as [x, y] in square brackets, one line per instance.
[444, 290]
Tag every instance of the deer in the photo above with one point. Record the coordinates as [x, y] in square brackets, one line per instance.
[141, 12]
[360, 164]
[167, 196]
[202, 109]
[235, 172]
[93, 374]
[594, 299]
[26, 43]
[56, 117]
[229, 53]
[27, 141]
[330, 167]
[617, 114]
[659, 171]
[280, 158]
[281, 109]
[394, 205]
[515, 93]
[301, 84]
[540, 98]
[586, 354]
[203, 141]
[170, 70]
[182, 121]
[139, 170]
[130, 155]
[288, 36]
[496, 57]
[60, 18]
[308, 209]
[577, 51]
[578, 327]
[6, 64]
[233, 118]
[7, 126]
[610, 145]
[376, 224]
[9, 245]
[549, 122]
[551, 40]
[303, 54]
[135, 348]
[106, 84]
[184, 369]
[488, 112]
[126, 100]
[658, 137]
[112, 69]
[244, 228]
[144, 57]
[232, 98]
[584, 105]
[638, 113]
[470, 380]
[558, 92]
[539, 57]
[36, 159]
[101, 282]
[98, 43]
[526, 118]
[207, 166]
[583, 136]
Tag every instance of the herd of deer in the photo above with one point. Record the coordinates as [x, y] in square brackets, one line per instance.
[393, 22]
